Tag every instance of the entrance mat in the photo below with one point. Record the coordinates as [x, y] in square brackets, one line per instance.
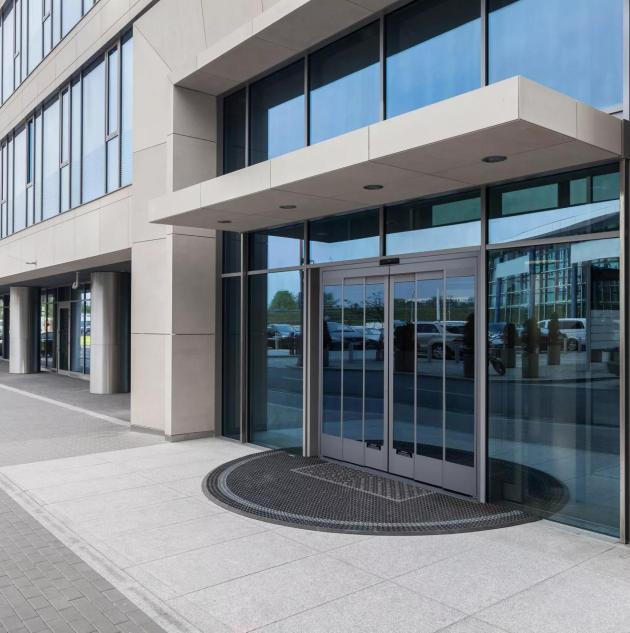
[307, 492]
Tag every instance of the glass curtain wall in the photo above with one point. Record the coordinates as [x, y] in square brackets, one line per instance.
[554, 329]
[69, 153]
[30, 30]
[422, 53]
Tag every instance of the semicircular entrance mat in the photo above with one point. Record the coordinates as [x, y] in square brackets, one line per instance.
[311, 493]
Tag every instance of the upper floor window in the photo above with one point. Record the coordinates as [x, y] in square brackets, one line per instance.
[573, 46]
[421, 53]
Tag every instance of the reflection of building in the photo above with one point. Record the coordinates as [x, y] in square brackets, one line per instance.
[304, 249]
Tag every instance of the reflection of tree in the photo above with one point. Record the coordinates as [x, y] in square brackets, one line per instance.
[283, 300]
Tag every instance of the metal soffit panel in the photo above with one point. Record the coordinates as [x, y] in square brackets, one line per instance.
[433, 150]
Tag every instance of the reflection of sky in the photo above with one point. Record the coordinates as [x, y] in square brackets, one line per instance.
[346, 104]
[436, 238]
[574, 46]
[322, 252]
[436, 69]
[283, 252]
[547, 222]
[285, 124]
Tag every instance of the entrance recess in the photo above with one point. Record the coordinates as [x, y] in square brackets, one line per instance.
[63, 352]
[399, 370]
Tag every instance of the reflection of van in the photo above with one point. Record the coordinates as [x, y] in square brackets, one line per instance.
[573, 329]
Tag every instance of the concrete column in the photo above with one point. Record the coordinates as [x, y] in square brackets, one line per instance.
[109, 366]
[24, 331]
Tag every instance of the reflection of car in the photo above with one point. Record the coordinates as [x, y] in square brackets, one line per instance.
[281, 335]
[573, 329]
[350, 335]
[433, 334]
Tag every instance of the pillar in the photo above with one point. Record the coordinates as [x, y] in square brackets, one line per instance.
[24, 331]
[110, 332]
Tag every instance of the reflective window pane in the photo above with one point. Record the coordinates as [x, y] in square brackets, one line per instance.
[70, 14]
[277, 114]
[344, 237]
[434, 224]
[20, 173]
[374, 404]
[231, 353]
[553, 395]
[281, 247]
[35, 33]
[332, 343]
[51, 151]
[126, 112]
[573, 46]
[576, 203]
[234, 131]
[93, 173]
[433, 52]
[231, 252]
[344, 84]
[8, 42]
[353, 351]
[275, 359]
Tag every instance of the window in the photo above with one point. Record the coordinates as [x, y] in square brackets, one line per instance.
[126, 112]
[280, 247]
[231, 252]
[573, 46]
[234, 126]
[20, 175]
[70, 15]
[113, 141]
[231, 353]
[50, 189]
[8, 47]
[570, 204]
[433, 224]
[351, 236]
[433, 52]
[277, 114]
[35, 34]
[93, 132]
[344, 84]
[553, 415]
[65, 150]
[75, 167]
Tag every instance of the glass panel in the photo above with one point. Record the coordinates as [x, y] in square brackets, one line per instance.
[338, 238]
[126, 112]
[65, 188]
[112, 91]
[281, 247]
[51, 160]
[459, 387]
[94, 133]
[34, 33]
[277, 114]
[76, 144]
[275, 359]
[404, 344]
[435, 224]
[234, 131]
[113, 164]
[430, 368]
[345, 84]
[86, 330]
[231, 252]
[553, 397]
[374, 403]
[76, 336]
[19, 203]
[8, 36]
[10, 189]
[573, 46]
[64, 338]
[70, 16]
[433, 52]
[65, 126]
[47, 29]
[353, 361]
[56, 17]
[39, 161]
[231, 352]
[576, 203]
[332, 352]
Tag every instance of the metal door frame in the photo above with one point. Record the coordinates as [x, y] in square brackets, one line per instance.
[460, 264]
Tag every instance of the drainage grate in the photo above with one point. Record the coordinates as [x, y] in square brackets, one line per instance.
[308, 492]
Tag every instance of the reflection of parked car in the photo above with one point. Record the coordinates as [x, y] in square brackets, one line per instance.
[433, 334]
[574, 330]
[349, 335]
[281, 336]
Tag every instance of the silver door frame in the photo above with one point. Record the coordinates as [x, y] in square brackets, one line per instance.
[455, 264]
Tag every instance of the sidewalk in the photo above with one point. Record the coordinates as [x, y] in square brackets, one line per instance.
[139, 518]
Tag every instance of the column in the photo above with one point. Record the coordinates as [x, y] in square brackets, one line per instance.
[24, 330]
[110, 331]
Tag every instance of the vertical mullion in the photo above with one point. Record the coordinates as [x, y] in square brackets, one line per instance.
[484, 42]
[626, 59]
[307, 101]
[119, 114]
[244, 341]
[624, 436]
[481, 345]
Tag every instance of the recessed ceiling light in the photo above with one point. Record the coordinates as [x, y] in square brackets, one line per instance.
[373, 187]
[494, 159]
[224, 221]
[288, 206]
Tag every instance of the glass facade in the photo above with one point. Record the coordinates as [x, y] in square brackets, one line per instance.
[422, 53]
[573, 46]
[553, 415]
[68, 152]
[282, 247]
[30, 29]
[434, 224]
[231, 354]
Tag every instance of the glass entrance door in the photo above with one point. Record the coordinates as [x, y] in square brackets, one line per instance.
[399, 371]
[63, 353]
